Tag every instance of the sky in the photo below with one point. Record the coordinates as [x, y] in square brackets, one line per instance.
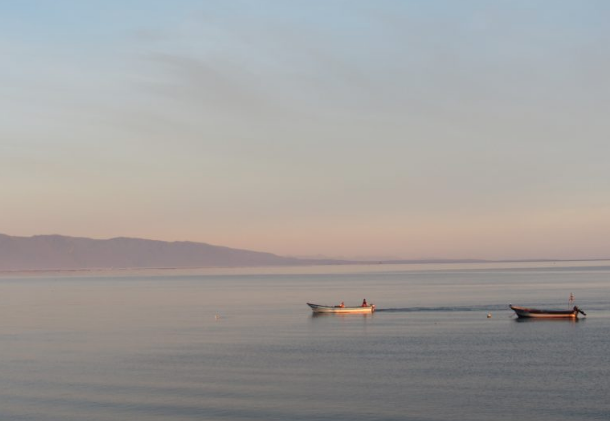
[353, 129]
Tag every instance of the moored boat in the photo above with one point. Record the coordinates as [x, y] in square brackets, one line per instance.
[317, 308]
[534, 313]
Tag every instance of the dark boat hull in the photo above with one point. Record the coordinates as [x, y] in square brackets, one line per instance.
[533, 313]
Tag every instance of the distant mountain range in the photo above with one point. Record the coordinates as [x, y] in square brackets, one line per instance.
[56, 252]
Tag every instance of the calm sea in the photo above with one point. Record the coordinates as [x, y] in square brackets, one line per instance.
[243, 345]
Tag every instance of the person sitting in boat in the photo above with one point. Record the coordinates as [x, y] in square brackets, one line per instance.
[364, 303]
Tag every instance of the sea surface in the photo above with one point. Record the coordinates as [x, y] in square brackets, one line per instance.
[228, 344]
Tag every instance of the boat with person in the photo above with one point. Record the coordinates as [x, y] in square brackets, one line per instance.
[534, 313]
[318, 308]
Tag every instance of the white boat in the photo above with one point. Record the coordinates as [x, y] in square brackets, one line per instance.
[317, 308]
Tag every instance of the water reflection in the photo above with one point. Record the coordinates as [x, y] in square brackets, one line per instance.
[541, 319]
[342, 315]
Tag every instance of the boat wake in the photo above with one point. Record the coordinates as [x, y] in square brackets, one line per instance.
[488, 308]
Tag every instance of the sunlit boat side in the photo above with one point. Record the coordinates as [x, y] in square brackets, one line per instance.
[533, 313]
[317, 308]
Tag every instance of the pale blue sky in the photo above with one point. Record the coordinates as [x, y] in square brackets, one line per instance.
[405, 129]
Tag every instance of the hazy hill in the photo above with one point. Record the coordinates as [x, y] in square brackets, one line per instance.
[42, 252]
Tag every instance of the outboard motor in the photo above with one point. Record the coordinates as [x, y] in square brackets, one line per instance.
[579, 311]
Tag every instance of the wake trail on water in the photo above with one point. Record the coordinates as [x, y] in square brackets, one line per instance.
[490, 307]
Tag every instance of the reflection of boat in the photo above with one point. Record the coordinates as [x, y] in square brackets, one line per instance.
[317, 308]
[533, 313]
[549, 320]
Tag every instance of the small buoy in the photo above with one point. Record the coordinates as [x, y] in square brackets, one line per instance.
[489, 315]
